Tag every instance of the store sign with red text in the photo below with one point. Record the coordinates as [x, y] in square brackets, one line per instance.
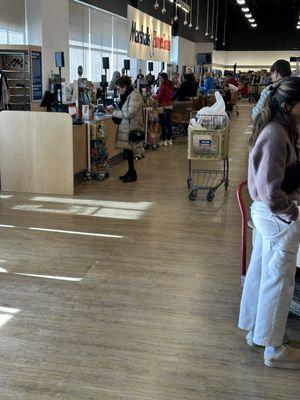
[149, 38]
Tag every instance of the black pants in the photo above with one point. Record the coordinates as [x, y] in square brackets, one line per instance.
[165, 124]
[130, 159]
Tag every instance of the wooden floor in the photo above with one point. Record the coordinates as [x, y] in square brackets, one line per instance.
[148, 313]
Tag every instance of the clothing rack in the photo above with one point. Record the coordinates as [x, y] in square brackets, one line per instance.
[22, 67]
[16, 68]
[4, 92]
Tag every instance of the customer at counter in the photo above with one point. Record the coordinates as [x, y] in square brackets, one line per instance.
[187, 89]
[131, 124]
[270, 279]
[280, 69]
[164, 98]
[208, 84]
[112, 85]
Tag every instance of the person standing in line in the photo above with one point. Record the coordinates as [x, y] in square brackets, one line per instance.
[187, 89]
[112, 85]
[164, 98]
[129, 118]
[280, 69]
[140, 75]
[270, 279]
[208, 85]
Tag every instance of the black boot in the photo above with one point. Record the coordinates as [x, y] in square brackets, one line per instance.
[132, 177]
[124, 176]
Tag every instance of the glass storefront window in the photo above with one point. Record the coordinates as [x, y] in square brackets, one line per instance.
[95, 34]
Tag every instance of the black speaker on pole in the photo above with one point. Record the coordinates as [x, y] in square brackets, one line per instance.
[127, 65]
[60, 63]
[150, 66]
[59, 59]
[105, 62]
[162, 66]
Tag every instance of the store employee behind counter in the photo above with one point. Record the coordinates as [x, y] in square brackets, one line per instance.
[130, 123]
[270, 280]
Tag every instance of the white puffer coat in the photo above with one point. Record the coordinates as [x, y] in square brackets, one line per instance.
[132, 119]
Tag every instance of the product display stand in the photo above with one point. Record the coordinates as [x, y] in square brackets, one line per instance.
[22, 66]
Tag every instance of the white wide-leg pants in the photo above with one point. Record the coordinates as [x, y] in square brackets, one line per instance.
[270, 279]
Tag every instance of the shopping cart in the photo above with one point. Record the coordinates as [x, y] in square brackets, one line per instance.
[98, 165]
[152, 127]
[253, 93]
[233, 102]
[295, 305]
[241, 202]
[180, 117]
[208, 140]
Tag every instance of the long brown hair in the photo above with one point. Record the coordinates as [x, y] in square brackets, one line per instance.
[288, 92]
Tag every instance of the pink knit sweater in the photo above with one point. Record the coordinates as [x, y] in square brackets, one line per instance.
[272, 154]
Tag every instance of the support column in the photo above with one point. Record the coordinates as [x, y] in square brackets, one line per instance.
[48, 26]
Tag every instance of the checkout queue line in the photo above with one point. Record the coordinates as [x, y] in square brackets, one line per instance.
[93, 134]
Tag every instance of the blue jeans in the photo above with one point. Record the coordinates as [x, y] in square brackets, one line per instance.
[270, 279]
[165, 124]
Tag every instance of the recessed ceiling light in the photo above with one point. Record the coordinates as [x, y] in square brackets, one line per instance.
[245, 9]
[298, 26]
[252, 20]
[255, 25]
[241, 2]
[248, 15]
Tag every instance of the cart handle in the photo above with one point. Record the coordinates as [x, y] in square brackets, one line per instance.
[241, 202]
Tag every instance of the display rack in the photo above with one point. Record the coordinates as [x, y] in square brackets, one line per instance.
[23, 71]
[15, 66]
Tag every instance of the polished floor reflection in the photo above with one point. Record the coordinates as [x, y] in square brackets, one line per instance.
[130, 291]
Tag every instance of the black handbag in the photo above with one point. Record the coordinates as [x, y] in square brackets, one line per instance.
[291, 180]
[136, 136]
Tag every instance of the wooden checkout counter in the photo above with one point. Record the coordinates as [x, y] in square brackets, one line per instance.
[41, 152]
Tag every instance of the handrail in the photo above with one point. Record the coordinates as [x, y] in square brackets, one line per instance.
[244, 230]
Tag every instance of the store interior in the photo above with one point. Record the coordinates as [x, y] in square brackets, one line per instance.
[115, 289]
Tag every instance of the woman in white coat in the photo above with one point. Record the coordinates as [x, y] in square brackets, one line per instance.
[129, 119]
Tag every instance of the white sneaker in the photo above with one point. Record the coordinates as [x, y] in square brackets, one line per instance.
[170, 142]
[249, 340]
[288, 357]
[166, 143]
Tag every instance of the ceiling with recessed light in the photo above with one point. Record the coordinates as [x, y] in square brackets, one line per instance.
[269, 25]
[276, 20]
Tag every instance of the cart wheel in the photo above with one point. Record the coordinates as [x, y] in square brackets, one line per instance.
[210, 195]
[189, 183]
[193, 195]
[226, 185]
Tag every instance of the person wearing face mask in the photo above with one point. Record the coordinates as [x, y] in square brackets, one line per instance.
[270, 279]
[129, 118]
[280, 69]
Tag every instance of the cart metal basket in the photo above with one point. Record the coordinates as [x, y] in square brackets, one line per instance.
[152, 127]
[208, 140]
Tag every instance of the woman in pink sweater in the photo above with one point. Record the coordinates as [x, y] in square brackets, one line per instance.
[270, 280]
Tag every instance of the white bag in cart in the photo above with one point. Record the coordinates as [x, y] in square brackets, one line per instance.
[214, 117]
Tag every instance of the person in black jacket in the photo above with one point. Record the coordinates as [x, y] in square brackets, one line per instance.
[187, 89]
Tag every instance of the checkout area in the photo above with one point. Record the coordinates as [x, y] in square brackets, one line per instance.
[48, 150]
[40, 151]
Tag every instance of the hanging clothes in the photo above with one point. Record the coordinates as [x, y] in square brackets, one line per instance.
[4, 92]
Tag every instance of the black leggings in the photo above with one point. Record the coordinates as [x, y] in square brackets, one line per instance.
[130, 159]
[165, 124]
